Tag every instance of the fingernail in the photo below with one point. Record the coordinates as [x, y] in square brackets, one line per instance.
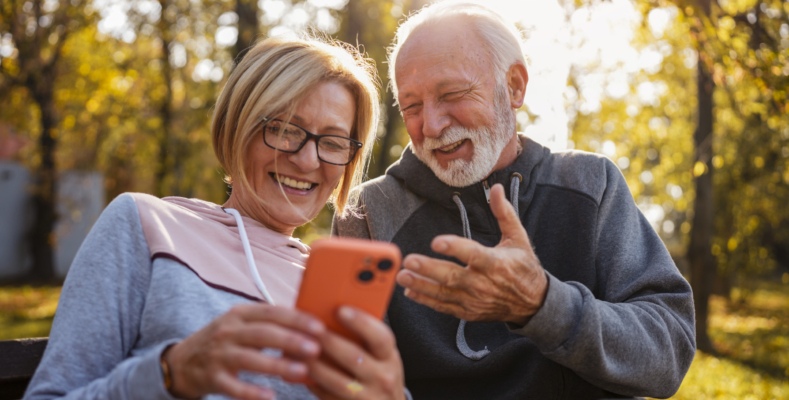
[405, 278]
[414, 264]
[440, 245]
[407, 293]
[315, 327]
[347, 313]
[309, 347]
[297, 369]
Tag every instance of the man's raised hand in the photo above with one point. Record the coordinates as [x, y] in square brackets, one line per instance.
[502, 283]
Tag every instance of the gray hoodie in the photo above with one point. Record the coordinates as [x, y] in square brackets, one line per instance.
[618, 318]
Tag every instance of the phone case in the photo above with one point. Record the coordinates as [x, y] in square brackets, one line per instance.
[342, 271]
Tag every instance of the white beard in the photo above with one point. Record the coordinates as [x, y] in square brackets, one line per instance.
[488, 142]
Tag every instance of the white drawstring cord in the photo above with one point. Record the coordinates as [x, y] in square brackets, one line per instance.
[250, 258]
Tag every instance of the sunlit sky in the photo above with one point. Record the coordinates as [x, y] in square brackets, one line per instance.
[594, 40]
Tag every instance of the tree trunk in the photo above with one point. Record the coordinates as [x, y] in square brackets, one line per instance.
[42, 237]
[702, 262]
[165, 108]
[385, 158]
[247, 11]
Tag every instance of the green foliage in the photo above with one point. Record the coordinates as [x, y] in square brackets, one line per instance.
[746, 46]
[137, 104]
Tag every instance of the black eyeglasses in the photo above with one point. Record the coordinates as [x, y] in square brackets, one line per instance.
[290, 138]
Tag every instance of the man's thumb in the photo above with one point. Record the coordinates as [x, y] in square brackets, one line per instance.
[509, 222]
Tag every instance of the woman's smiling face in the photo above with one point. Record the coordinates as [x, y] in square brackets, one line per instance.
[295, 186]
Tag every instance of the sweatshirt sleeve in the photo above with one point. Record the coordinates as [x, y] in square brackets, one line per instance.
[97, 322]
[638, 339]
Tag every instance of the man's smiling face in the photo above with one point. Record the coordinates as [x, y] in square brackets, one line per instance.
[456, 111]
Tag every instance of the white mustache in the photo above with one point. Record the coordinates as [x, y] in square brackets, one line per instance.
[453, 134]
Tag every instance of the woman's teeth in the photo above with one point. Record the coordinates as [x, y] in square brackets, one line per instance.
[450, 148]
[292, 183]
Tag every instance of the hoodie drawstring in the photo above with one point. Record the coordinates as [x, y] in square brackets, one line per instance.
[515, 185]
[250, 258]
[463, 215]
[460, 338]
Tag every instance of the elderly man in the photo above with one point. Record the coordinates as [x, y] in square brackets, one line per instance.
[529, 274]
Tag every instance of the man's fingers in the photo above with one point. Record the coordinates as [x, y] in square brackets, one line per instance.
[509, 222]
[467, 251]
[434, 270]
[438, 305]
[429, 287]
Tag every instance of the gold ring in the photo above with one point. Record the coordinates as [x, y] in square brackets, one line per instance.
[355, 387]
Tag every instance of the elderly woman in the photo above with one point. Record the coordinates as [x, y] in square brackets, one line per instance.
[182, 298]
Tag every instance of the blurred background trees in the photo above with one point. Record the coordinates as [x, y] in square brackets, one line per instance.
[706, 158]
[693, 109]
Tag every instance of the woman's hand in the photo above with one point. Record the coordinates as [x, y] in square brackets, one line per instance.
[208, 361]
[372, 372]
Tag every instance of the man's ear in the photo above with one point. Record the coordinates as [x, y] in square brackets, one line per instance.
[517, 79]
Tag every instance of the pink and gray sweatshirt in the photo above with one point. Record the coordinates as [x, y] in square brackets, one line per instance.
[150, 273]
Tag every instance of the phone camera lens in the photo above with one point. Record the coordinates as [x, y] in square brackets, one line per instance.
[366, 276]
[384, 265]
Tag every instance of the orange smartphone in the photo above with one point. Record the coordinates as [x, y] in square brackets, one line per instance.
[342, 271]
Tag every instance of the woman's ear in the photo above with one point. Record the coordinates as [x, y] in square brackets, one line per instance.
[517, 79]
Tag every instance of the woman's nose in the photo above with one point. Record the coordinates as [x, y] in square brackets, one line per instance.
[306, 158]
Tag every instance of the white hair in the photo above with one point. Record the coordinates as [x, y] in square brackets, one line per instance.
[502, 39]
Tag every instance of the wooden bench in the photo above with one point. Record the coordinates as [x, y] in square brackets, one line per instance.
[18, 361]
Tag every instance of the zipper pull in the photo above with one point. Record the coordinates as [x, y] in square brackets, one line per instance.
[487, 190]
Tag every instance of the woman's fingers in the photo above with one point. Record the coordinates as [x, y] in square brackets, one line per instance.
[335, 382]
[287, 317]
[260, 335]
[378, 338]
[205, 360]
[238, 389]
[347, 370]
[322, 394]
[255, 361]
[347, 355]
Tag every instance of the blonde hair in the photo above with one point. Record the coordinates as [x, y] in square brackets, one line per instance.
[273, 78]
[503, 40]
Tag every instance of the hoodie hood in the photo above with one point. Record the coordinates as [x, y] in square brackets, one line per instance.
[206, 239]
[420, 179]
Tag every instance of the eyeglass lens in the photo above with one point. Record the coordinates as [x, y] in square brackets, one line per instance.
[331, 149]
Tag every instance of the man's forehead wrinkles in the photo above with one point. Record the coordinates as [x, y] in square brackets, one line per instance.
[433, 62]
[429, 72]
[439, 68]
[437, 81]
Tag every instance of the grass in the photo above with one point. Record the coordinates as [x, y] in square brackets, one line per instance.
[716, 378]
[755, 329]
[27, 311]
[751, 334]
